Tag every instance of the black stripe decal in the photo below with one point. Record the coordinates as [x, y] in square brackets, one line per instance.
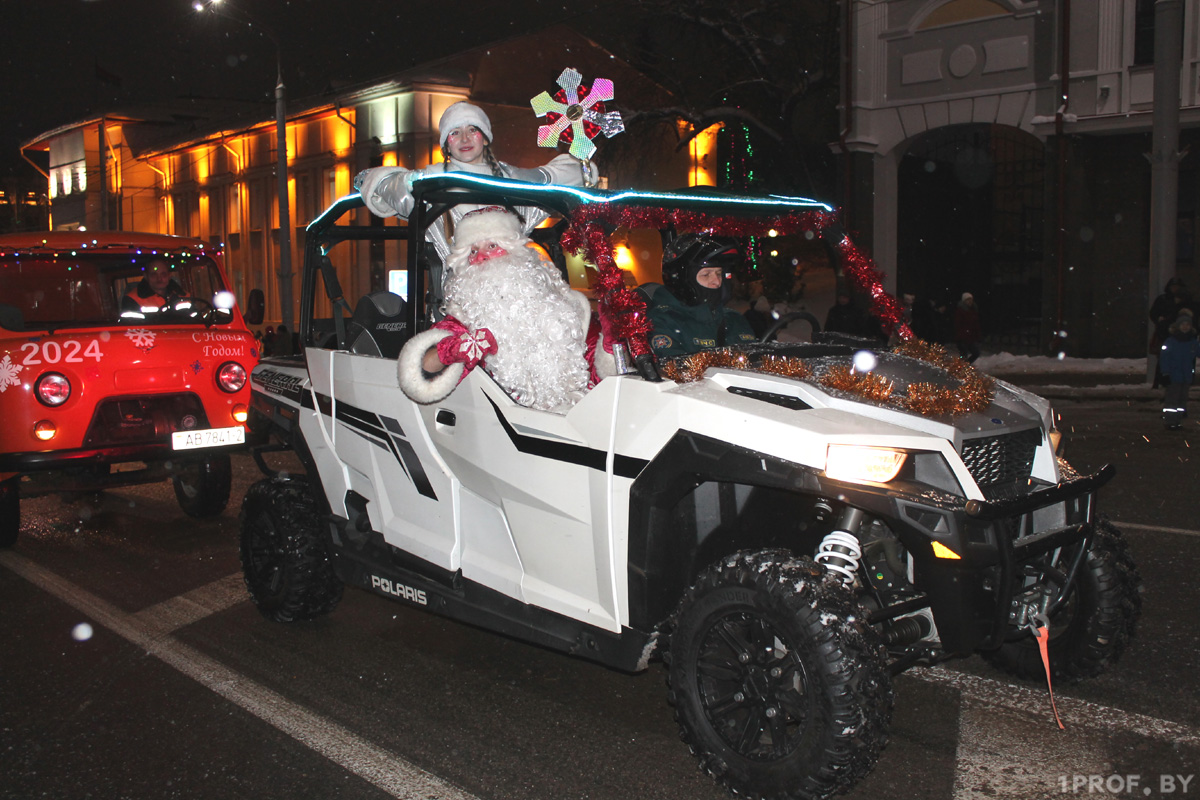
[623, 466]
[376, 428]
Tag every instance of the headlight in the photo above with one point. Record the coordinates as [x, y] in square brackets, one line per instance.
[52, 389]
[231, 376]
[859, 464]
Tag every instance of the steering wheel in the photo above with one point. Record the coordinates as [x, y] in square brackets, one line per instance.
[787, 319]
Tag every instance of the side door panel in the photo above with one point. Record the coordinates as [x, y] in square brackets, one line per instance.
[542, 474]
[385, 455]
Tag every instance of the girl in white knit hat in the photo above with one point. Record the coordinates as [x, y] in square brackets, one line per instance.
[466, 138]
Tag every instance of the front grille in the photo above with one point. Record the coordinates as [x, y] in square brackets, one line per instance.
[143, 420]
[1000, 463]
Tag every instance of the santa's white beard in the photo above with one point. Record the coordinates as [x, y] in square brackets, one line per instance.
[539, 329]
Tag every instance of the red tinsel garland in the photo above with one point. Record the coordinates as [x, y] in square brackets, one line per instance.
[625, 311]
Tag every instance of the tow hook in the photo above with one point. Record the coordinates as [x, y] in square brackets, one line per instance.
[1030, 607]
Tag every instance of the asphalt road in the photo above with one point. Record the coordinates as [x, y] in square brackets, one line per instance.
[182, 690]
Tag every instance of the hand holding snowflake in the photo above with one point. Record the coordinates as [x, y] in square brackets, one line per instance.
[576, 114]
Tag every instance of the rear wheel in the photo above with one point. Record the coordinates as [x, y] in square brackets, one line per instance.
[779, 686]
[10, 510]
[1090, 629]
[285, 561]
[202, 487]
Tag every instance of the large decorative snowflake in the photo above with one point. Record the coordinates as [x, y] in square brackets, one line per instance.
[576, 114]
[8, 373]
[142, 339]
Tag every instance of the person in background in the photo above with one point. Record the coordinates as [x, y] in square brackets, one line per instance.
[688, 310]
[845, 317]
[284, 344]
[968, 331]
[1178, 363]
[1164, 311]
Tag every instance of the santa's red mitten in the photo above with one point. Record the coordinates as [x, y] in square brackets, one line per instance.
[464, 346]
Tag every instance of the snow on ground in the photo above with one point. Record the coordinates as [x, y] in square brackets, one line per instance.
[1009, 364]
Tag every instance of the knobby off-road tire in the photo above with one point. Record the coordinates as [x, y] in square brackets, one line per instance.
[1090, 631]
[779, 686]
[202, 487]
[285, 561]
[10, 511]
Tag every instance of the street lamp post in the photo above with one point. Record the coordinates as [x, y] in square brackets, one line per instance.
[281, 158]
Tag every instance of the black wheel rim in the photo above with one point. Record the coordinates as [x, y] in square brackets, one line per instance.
[753, 686]
[265, 558]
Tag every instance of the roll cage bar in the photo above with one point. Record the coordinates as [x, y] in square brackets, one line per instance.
[436, 194]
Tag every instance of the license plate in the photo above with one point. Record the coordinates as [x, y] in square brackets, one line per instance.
[208, 437]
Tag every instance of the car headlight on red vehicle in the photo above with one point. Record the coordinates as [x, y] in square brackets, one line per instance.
[52, 389]
[231, 377]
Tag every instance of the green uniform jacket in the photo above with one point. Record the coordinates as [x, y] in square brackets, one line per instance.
[679, 329]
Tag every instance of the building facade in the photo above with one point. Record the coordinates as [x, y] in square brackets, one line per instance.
[182, 171]
[1001, 147]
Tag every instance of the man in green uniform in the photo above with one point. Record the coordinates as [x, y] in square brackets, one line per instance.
[688, 309]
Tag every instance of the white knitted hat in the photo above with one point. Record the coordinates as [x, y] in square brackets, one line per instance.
[487, 223]
[463, 113]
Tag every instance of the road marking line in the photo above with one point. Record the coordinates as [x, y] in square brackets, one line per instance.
[184, 609]
[1075, 712]
[998, 758]
[391, 773]
[1137, 527]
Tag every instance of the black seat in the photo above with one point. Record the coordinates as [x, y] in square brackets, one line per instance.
[379, 326]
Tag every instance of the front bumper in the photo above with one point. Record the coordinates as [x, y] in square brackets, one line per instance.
[88, 457]
[970, 596]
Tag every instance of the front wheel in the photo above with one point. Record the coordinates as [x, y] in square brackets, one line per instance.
[285, 561]
[779, 686]
[202, 487]
[10, 510]
[1091, 628]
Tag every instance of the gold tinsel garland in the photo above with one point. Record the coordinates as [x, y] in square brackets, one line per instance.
[974, 391]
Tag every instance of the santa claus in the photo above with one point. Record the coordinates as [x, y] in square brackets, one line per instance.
[509, 309]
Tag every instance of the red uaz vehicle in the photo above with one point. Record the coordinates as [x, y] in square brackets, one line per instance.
[119, 349]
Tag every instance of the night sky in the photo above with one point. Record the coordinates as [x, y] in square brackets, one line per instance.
[64, 59]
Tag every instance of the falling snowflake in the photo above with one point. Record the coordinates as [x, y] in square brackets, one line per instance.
[141, 338]
[196, 366]
[8, 373]
[576, 114]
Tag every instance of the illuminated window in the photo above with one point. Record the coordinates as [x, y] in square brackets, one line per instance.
[81, 177]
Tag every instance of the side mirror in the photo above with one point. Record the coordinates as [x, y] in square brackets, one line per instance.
[256, 306]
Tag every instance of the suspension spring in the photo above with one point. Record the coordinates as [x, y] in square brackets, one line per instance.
[840, 552]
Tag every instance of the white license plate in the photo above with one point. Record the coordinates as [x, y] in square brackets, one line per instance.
[209, 437]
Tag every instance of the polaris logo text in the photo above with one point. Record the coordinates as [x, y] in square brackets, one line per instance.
[398, 590]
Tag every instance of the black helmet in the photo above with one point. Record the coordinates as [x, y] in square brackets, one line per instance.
[686, 255]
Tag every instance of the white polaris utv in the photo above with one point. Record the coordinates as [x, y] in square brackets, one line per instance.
[785, 525]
